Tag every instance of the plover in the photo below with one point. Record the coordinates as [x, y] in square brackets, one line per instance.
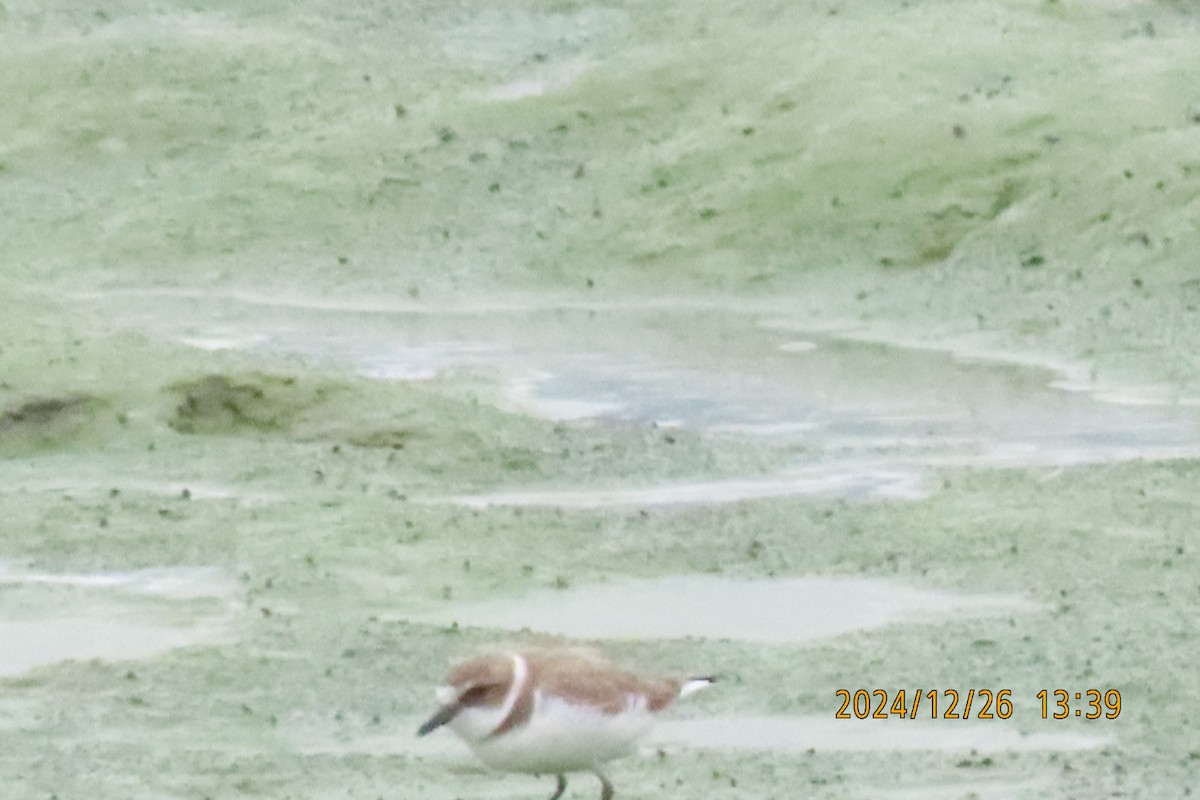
[552, 712]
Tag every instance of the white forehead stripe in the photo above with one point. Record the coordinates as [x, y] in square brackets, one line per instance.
[445, 694]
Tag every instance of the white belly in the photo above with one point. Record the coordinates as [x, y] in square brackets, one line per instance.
[558, 737]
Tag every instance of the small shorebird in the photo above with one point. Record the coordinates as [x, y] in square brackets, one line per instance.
[551, 712]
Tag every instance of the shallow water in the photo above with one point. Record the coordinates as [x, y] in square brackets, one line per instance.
[863, 482]
[769, 610]
[978, 789]
[94, 635]
[51, 617]
[822, 733]
[871, 417]
[169, 582]
[50, 481]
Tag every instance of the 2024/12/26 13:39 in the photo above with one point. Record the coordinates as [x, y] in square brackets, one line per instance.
[986, 703]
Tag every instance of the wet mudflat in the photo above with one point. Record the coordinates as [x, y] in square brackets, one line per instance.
[55, 618]
[783, 346]
[709, 607]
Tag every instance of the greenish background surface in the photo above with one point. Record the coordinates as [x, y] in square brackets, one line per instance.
[1015, 178]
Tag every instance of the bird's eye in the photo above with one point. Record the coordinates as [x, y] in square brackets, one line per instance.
[474, 694]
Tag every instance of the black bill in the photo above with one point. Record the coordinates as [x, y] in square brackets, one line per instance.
[443, 715]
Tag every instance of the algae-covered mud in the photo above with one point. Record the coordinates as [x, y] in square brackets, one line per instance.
[839, 346]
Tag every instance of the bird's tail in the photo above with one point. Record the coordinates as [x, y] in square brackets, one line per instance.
[695, 684]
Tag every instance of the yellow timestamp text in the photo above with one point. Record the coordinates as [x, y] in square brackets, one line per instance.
[972, 704]
[943, 704]
[1091, 704]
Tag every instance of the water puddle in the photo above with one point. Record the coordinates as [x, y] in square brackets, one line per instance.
[555, 78]
[982, 788]
[47, 641]
[51, 617]
[867, 482]
[849, 405]
[712, 607]
[75, 485]
[822, 733]
[172, 582]
[512, 36]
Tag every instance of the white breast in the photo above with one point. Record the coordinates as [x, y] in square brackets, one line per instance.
[561, 737]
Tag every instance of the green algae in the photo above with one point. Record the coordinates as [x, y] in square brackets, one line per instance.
[45, 423]
[654, 169]
[219, 404]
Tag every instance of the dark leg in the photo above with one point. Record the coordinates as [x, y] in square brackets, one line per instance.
[562, 787]
[606, 788]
